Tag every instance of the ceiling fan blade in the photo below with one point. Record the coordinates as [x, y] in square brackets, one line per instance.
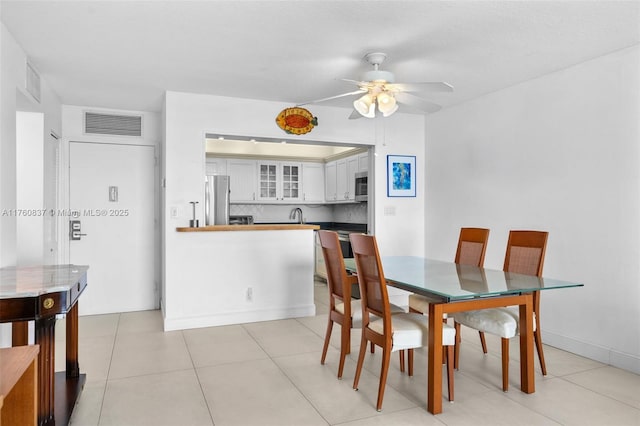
[416, 102]
[333, 97]
[358, 82]
[355, 115]
[421, 87]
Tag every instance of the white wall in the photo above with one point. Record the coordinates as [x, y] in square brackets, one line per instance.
[558, 153]
[12, 80]
[188, 117]
[12, 68]
[30, 187]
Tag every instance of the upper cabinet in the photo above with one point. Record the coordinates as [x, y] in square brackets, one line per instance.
[243, 180]
[273, 181]
[340, 176]
[279, 181]
[330, 182]
[216, 166]
[313, 182]
[363, 162]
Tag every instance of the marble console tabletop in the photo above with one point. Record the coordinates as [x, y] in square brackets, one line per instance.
[33, 281]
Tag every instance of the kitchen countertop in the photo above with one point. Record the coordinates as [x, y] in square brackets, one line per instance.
[263, 227]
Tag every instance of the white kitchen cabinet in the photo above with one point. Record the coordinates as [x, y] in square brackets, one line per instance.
[342, 186]
[243, 180]
[216, 166]
[346, 177]
[340, 178]
[352, 169]
[330, 181]
[313, 182]
[363, 162]
[279, 181]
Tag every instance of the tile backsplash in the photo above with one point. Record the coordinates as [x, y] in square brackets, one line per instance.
[347, 213]
[350, 213]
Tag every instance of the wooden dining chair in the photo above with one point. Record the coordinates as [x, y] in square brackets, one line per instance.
[392, 333]
[472, 245]
[525, 255]
[342, 308]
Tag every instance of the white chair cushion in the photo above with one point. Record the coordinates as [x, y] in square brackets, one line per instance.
[514, 311]
[497, 321]
[411, 330]
[502, 322]
[356, 312]
[421, 303]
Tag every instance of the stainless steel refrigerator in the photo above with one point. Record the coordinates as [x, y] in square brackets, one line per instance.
[216, 200]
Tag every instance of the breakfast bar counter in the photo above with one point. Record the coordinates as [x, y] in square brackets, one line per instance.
[234, 274]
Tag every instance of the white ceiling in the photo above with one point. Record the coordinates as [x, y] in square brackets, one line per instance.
[125, 54]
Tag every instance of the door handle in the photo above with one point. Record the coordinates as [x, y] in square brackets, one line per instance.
[75, 232]
[76, 235]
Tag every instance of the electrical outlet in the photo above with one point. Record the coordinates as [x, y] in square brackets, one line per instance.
[249, 294]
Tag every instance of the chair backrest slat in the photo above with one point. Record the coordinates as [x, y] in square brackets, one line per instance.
[336, 271]
[525, 252]
[373, 288]
[524, 260]
[525, 255]
[472, 245]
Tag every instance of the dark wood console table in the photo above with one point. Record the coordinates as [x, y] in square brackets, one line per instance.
[39, 293]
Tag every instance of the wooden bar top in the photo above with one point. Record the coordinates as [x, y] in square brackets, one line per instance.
[264, 227]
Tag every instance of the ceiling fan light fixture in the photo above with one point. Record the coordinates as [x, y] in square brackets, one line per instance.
[379, 76]
[387, 104]
[365, 106]
[390, 111]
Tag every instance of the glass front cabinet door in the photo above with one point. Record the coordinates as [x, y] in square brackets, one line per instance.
[278, 181]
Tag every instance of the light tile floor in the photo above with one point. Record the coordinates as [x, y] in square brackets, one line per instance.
[269, 373]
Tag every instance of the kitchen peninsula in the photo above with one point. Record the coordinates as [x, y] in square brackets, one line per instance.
[235, 274]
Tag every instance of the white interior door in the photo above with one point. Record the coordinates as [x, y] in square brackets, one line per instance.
[112, 191]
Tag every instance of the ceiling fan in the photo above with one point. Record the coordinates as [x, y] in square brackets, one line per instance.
[378, 88]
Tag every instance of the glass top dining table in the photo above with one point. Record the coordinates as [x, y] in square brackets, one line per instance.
[455, 288]
[451, 282]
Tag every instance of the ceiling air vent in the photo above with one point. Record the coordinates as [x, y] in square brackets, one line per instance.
[111, 124]
[32, 83]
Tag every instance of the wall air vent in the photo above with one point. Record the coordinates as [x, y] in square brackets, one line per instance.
[111, 124]
[32, 82]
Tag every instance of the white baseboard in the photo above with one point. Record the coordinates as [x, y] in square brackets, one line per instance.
[229, 318]
[598, 353]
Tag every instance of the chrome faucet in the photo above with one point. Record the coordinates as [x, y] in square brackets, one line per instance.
[296, 212]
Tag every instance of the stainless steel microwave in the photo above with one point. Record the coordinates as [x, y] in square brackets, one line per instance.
[361, 186]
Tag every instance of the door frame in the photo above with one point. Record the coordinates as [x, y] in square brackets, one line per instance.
[63, 212]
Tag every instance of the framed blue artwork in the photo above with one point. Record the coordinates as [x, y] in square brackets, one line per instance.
[401, 176]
